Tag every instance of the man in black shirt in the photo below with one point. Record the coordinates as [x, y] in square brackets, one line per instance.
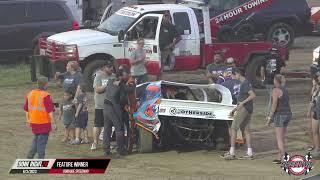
[169, 37]
[270, 67]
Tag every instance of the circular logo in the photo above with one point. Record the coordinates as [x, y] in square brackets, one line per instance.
[297, 164]
[173, 111]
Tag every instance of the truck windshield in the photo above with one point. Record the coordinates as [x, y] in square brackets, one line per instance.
[115, 23]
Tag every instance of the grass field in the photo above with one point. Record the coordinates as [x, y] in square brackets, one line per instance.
[14, 74]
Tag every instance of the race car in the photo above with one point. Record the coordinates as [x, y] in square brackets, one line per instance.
[171, 113]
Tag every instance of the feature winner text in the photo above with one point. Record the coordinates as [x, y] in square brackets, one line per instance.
[72, 164]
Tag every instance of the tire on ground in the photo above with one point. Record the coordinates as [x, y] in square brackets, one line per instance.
[221, 134]
[89, 71]
[286, 26]
[145, 141]
[253, 70]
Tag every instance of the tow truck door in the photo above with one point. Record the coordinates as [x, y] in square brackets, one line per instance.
[187, 51]
[152, 23]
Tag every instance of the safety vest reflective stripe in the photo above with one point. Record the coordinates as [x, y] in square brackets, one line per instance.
[39, 106]
[36, 108]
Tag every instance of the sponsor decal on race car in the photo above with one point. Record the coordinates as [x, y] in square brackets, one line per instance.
[179, 111]
[252, 5]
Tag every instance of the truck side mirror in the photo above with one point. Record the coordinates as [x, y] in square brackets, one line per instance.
[121, 35]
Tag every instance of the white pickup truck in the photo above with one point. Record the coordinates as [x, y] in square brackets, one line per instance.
[115, 40]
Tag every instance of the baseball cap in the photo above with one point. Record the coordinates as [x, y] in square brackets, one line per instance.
[273, 49]
[42, 81]
[230, 60]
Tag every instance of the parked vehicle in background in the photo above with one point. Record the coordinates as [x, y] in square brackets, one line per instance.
[315, 17]
[23, 22]
[90, 13]
[116, 39]
[279, 21]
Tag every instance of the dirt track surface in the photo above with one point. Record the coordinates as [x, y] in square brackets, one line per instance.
[173, 164]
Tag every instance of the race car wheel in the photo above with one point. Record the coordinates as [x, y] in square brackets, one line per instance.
[90, 70]
[253, 71]
[281, 34]
[145, 141]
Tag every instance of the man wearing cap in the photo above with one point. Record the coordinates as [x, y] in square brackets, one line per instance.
[39, 114]
[100, 84]
[271, 66]
[168, 38]
[113, 116]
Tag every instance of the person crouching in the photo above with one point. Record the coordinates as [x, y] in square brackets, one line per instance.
[112, 116]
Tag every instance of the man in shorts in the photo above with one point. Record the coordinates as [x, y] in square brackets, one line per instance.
[99, 85]
[271, 66]
[242, 115]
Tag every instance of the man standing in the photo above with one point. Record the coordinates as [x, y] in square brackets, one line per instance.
[39, 113]
[137, 61]
[113, 116]
[128, 106]
[169, 37]
[214, 68]
[99, 84]
[233, 85]
[242, 115]
[271, 66]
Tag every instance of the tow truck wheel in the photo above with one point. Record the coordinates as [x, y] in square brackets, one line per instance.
[145, 141]
[90, 70]
[281, 34]
[253, 71]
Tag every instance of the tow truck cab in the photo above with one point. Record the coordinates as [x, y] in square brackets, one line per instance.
[115, 40]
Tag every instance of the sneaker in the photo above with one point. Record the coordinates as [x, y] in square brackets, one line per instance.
[310, 148]
[75, 142]
[86, 141]
[93, 146]
[246, 157]
[276, 161]
[228, 156]
[166, 68]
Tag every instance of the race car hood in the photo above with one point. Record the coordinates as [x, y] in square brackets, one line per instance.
[83, 37]
[152, 104]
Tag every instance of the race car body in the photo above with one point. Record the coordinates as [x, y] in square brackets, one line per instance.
[183, 113]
